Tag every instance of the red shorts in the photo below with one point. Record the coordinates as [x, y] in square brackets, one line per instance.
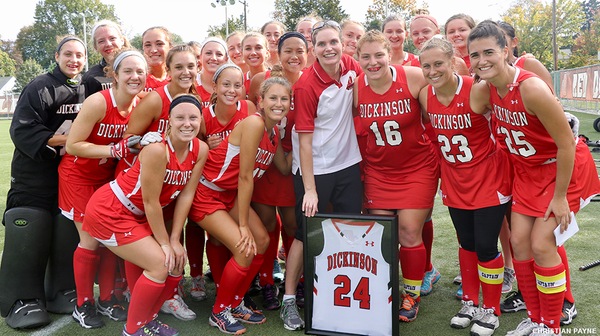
[107, 220]
[275, 189]
[471, 188]
[404, 190]
[207, 201]
[534, 185]
[72, 198]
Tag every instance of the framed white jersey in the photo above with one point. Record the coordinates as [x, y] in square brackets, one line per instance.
[350, 263]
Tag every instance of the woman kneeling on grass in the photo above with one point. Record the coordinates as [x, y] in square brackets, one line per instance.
[126, 215]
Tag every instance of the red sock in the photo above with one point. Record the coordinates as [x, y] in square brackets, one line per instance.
[562, 252]
[551, 285]
[218, 256]
[412, 262]
[194, 243]
[233, 278]
[106, 273]
[170, 289]
[145, 293]
[85, 265]
[266, 269]
[133, 272]
[252, 271]
[491, 276]
[528, 287]
[427, 236]
[470, 276]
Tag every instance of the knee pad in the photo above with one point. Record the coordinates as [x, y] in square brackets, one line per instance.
[59, 272]
[26, 247]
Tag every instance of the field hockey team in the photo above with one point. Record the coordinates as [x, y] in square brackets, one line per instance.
[226, 145]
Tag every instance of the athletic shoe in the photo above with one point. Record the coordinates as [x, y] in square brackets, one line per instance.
[465, 315]
[430, 278]
[485, 323]
[63, 302]
[509, 279]
[26, 314]
[247, 315]
[198, 290]
[525, 328]
[208, 275]
[569, 312]
[459, 292]
[143, 331]
[112, 309]
[180, 288]
[249, 303]
[409, 309]
[457, 279]
[513, 303]
[226, 322]
[87, 316]
[162, 328]
[543, 330]
[300, 295]
[270, 300]
[255, 286]
[290, 315]
[177, 307]
[277, 272]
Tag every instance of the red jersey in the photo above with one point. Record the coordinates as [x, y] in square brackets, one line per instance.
[109, 130]
[247, 80]
[204, 96]
[162, 123]
[222, 167]
[411, 60]
[395, 139]
[153, 83]
[469, 152]
[523, 134]
[520, 62]
[127, 186]
[214, 127]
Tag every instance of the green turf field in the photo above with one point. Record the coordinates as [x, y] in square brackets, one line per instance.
[436, 309]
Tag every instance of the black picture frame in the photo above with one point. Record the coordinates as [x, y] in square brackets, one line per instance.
[314, 245]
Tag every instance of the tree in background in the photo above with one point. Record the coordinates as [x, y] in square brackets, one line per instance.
[532, 20]
[380, 9]
[587, 45]
[136, 41]
[8, 66]
[289, 12]
[220, 31]
[56, 18]
[26, 72]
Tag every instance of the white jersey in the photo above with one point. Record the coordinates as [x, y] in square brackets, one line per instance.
[352, 290]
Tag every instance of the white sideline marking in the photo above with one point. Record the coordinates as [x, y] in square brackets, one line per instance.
[54, 326]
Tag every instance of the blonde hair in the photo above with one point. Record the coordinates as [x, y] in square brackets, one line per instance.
[374, 36]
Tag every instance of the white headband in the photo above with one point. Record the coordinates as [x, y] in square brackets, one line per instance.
[124, 54]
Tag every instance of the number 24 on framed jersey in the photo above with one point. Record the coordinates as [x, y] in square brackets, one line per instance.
[351, 270]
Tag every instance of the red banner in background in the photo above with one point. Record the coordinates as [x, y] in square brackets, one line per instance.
[581, 83]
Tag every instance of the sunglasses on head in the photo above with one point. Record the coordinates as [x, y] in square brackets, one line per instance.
[326, 23]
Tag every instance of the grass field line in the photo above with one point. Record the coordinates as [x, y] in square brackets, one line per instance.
[54, 326]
